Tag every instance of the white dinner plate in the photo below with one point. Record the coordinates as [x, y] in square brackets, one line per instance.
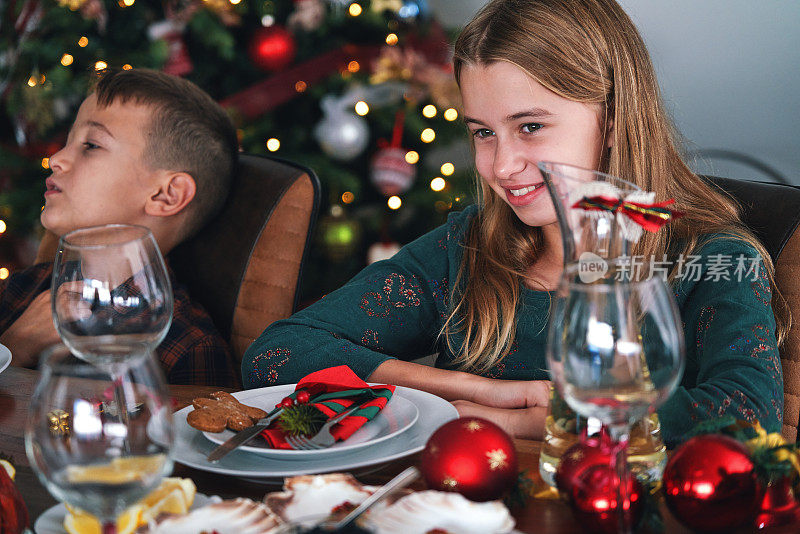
[396, 417]
[191, 446]
[52, 520]
[5, 357]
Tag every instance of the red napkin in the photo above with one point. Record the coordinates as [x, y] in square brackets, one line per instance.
[332, 391]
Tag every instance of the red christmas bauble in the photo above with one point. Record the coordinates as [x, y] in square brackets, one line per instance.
[778, 507]
[272, 48]
[589, 452]
[13, 513]
[593, 497]
[471, 456]
[710, 484]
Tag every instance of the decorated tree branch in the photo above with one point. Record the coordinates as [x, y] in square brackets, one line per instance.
[319, 82]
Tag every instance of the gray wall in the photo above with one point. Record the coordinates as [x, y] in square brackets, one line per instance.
[729, 72]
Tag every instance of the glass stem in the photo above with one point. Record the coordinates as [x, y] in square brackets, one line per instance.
[116, 371]
[620, 435]
[109, 527]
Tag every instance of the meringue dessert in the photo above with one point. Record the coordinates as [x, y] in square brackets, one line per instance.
[423, 512]
[236, 516]
[309, 495]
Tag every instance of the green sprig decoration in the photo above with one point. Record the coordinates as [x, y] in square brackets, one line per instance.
[302, 419]
[518, 495]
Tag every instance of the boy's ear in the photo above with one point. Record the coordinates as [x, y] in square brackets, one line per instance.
[175, 192]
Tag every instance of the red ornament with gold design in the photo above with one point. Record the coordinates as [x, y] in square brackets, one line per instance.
[589, 452]
[587, 479]
[593, 498]
[471, 456]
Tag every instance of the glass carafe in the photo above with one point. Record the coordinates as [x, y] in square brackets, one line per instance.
[591, 239]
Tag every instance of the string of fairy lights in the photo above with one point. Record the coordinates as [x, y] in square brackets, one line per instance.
[361, 108]
[412, 157]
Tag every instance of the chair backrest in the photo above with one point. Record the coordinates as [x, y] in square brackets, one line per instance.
[244, 266]
[772, 212]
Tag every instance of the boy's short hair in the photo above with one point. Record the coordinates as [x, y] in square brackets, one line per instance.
[188, 132]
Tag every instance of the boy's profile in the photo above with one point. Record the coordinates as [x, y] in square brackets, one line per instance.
[146, 148]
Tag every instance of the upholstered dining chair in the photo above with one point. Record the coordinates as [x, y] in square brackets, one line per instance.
[244, 267]
[772, 212]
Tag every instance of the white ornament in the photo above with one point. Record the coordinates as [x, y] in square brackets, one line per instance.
[308, 15]
[381, 251]
[341, 134]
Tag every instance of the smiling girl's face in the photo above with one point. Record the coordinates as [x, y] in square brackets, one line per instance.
[515, 123]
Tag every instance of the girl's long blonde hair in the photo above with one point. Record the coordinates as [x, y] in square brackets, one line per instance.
[586, 51]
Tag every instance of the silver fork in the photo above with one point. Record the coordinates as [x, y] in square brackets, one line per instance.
[322, 439]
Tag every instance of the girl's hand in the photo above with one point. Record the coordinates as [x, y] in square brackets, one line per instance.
[512, 393]
[525, 423]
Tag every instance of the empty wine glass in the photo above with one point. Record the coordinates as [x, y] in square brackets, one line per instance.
[111, 296]
[80, 445]
[616, 353]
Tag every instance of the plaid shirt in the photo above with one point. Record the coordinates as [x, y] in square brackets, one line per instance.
[193, 352]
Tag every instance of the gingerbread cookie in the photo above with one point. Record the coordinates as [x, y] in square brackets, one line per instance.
[222, 411]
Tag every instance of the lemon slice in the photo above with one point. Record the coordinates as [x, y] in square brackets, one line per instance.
[174, 495]
[118, 471]
[9, 468]
[79, 522]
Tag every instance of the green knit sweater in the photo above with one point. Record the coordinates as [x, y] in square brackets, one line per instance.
[396, 309]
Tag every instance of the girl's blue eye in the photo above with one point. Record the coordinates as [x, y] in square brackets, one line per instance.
[480, 133]
[531, 127]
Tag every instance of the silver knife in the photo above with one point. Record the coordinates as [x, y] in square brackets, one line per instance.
[243, 436]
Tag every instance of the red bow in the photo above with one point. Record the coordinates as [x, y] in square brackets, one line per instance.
[651, 217]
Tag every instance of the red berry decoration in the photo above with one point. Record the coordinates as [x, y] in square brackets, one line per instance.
[302, 397]
[710, 484]
[287, 402]
[593, 497]
[272, 48]
[471, 456]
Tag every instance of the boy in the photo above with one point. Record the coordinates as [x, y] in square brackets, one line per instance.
[146, 148]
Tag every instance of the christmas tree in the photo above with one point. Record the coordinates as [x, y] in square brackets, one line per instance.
[361, 92]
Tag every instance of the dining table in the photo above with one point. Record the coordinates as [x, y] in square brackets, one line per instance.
[534, 515]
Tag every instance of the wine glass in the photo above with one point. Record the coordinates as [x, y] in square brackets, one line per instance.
[616, 353]
[81, 446]
[111, 295]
